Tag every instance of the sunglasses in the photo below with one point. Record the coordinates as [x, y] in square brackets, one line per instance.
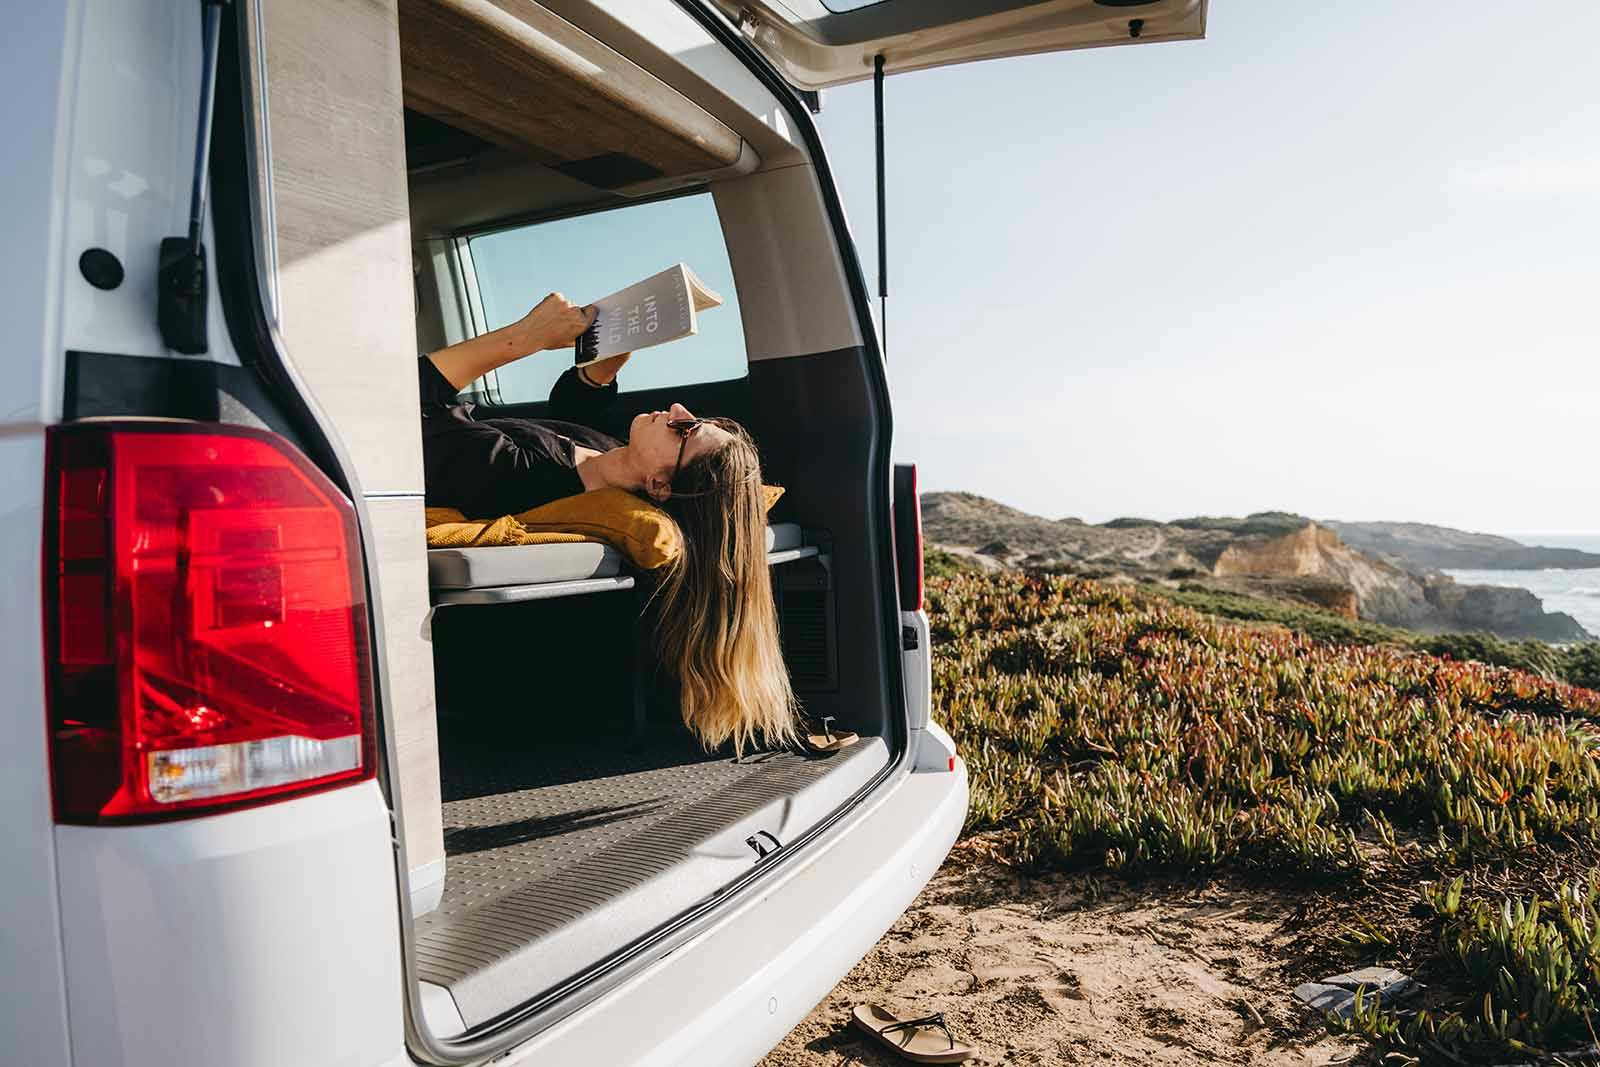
[683, 428]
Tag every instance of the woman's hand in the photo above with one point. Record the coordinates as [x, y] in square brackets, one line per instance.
[555, 322]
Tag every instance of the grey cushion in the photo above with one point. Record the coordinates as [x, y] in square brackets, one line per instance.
[488, 568]
[784, 535]
[484, 568]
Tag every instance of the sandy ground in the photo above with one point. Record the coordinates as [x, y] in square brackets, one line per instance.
[1081, 970]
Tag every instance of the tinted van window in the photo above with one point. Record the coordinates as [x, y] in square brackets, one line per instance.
[589, 256]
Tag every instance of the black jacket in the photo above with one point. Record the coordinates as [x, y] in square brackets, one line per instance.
[486, 468]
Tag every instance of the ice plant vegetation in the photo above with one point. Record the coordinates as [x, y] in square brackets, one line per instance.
[1110, 726]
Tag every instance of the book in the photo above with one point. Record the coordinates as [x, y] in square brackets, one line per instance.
[664, 307]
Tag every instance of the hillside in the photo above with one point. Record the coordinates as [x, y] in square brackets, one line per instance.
[1015, 537]
[1273, 554]
[1413, 804]
[1420, 547]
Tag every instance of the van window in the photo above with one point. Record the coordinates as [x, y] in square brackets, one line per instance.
[590, 256]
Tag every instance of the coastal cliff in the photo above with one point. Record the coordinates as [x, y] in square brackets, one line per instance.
[1273, 554]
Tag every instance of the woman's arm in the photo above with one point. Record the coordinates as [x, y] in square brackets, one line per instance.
[602, 371]
[588, 396]
[555, 323]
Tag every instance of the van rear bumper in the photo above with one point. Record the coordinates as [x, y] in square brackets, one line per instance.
[735, 991]
[257, 938]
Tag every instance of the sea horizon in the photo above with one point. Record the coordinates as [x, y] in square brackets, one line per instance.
[1586, 542]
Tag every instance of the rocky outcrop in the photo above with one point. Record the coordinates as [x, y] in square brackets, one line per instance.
[1271, 554]
[1383, 593]
[1388, 594]
[1503, 610]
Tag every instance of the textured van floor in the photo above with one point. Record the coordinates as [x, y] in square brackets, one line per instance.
[536, 835]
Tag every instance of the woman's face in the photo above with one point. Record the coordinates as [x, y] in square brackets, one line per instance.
[656, 444]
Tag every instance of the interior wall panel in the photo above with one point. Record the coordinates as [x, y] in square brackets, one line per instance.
[338, 183]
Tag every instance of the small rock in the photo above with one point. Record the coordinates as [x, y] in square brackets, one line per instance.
[1387, 982]
[1338, 994]
[1323, 997]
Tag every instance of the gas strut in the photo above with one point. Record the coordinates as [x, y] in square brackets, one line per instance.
[181, 278]
[883, 227]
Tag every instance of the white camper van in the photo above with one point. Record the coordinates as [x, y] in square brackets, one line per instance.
[282, 786]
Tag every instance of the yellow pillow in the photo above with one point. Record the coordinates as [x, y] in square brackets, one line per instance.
[636, 528]
[633, 526]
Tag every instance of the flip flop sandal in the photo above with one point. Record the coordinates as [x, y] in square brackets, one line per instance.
[924, 1040]
[824, 741]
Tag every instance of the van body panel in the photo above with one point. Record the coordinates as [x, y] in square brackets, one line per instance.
[818, 43]
[257, 938]
[32, 970]
[131, 164]
[752, 976]
[37, 67]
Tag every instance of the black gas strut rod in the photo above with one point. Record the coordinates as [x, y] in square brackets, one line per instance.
[181, 278]
[883, 227]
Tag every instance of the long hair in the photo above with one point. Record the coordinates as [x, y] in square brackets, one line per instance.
[717, 628]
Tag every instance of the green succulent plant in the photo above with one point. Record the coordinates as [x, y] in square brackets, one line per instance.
[1115, 726]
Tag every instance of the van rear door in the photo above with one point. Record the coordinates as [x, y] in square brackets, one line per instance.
[818, 43]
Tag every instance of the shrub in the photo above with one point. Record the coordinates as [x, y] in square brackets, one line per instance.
[1323, 625]
[937, 563]
[1577, 664]
[1268, 523]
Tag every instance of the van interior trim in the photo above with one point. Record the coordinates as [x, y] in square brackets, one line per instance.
[512, 594]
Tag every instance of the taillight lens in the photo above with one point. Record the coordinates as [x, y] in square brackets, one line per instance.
[206, 623]
[908, 536]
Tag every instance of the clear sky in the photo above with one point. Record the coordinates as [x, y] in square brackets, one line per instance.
[1340, 259]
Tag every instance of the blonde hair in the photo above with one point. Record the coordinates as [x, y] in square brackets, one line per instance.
[717, 627]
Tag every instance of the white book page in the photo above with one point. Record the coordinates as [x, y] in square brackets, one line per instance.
[659, 309]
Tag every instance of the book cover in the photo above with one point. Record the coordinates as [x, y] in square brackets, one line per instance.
[661, 308]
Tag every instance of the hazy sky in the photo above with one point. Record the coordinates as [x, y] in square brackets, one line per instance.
[1338, 259]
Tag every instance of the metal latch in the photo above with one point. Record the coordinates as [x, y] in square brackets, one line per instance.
[760, 847]
[908, 638]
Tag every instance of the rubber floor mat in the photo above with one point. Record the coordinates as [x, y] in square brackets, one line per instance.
[537, 837]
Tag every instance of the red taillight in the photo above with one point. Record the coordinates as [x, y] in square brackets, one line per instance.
[908, 536]
[205, 624]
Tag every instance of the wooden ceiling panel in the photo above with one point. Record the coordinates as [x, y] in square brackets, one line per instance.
[516, 75]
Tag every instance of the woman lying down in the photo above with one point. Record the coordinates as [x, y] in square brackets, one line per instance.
[718, 629]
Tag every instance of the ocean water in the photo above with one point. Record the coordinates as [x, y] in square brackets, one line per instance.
[1575, 592]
